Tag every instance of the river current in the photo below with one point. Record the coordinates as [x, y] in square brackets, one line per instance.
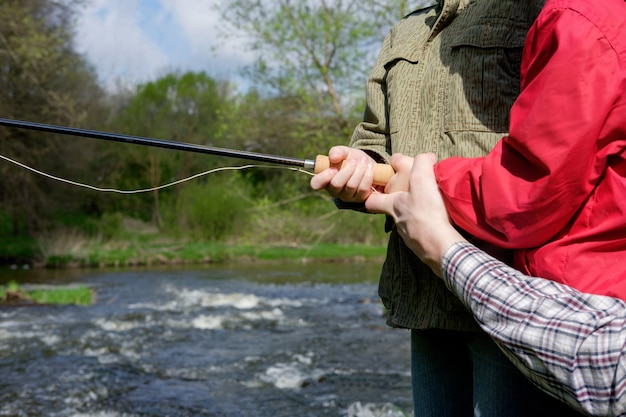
[252, 340]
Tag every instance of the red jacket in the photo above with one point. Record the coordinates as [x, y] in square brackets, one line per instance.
[555, 188]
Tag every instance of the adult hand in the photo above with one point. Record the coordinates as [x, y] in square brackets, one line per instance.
[353, 182]
[419, 213]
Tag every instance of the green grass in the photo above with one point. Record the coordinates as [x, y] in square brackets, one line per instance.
[173, 253]
[325, 251]
[70, 248]
[210, 252]
[77, 295]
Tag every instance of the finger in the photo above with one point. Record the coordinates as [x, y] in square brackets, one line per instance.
[360, 183]
[379, 203]
[321, 180]
[423, 167]
[402, 166]
[401, 162]
[339, 182]
[367, 183]
[336, 154]
[353, 180]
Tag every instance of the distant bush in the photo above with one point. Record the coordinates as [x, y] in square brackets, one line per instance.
[110, 225]
[312, 220]
[228, 209]
[62, 245]
[210, 210]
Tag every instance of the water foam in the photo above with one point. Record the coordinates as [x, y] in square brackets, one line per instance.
[115, 325]
[359, 409]
[209, 322]
[103, 414]
[292, 375]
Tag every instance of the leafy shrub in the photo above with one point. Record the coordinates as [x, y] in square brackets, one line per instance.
[110, 225]
[210, 210]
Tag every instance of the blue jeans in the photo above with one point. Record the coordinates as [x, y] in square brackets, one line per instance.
[464, 374]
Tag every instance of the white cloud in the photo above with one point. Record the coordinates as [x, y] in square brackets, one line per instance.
[109, 34]
[200, 21]
[139, 40]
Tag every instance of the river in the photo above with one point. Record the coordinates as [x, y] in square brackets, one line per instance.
[232, 340]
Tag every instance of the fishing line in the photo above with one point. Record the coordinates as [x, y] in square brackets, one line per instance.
[145, 190]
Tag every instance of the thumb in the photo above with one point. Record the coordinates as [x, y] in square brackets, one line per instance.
[379, 203]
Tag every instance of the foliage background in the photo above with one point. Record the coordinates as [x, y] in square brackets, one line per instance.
[308, 95]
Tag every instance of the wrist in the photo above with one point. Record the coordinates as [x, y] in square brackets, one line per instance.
[434, 251]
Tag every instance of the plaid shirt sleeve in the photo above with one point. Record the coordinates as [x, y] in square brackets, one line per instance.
[570, 344]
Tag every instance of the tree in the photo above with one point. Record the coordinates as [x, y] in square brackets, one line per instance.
[188, 107]
[319, 51]
[41, 79]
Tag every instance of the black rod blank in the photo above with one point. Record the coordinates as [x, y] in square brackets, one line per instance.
[159, 143]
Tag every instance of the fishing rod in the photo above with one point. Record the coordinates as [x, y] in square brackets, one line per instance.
[382, 172]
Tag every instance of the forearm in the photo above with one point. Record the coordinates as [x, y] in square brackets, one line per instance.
[569, 343]
[430, 243]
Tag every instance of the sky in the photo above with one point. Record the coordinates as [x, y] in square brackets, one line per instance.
[135, 41]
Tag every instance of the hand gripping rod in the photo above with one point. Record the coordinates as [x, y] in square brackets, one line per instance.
[382, 172]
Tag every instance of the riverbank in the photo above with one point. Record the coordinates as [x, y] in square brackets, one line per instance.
[161, 253]
[125, 254]
[210, 252]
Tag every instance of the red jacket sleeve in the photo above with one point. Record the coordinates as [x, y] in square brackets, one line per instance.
[533, 182]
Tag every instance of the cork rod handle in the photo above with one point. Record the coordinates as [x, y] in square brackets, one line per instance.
[382, 172]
